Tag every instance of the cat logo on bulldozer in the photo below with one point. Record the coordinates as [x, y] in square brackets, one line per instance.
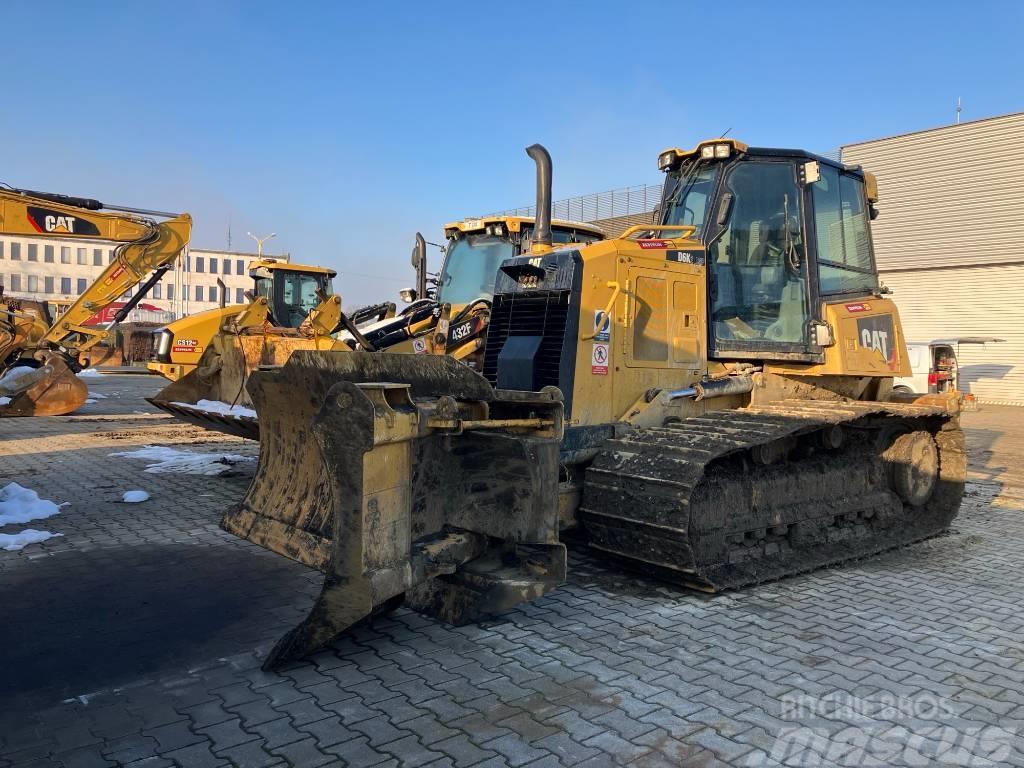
[877, 333]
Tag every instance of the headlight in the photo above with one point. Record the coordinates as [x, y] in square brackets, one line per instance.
[163, 339]
[665, 160]
[722, 150]
[707, 152]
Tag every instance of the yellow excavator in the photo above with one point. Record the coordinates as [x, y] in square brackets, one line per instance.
[288, 291]
[446, 315]
[708, 399]
[39, 356]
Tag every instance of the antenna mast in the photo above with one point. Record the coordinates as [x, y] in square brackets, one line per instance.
[958, 108]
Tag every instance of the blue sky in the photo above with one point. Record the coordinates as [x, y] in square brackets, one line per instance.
[346, 128]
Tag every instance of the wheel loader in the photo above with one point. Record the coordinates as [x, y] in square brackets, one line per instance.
[450, 320]
[707, 399]
[39, 356]
[288, 291]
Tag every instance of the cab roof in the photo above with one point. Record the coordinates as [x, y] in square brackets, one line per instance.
[515, 223]
[670, 158]
[287, 266]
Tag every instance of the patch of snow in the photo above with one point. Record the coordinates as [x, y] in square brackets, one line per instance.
[134, 497]
[5, 400]
[19, 378]
[15, 541]
[90, 400]
[98, 395]
[20, 505]
[170, 460]
[219, 407]
[89, 373]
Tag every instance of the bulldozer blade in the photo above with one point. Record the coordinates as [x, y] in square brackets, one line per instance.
[53, 389]
[376, 484]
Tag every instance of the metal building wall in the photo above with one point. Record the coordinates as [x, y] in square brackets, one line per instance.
[950, 241]
[949, 196]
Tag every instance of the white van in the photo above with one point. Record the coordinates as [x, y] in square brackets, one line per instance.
[933, 364]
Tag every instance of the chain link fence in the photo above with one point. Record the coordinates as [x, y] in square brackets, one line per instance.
[613, 204]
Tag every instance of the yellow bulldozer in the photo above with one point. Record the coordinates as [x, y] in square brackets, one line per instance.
[39, 355]
[447, 315]
[707, 399]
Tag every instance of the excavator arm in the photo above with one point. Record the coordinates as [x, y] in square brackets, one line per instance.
[147, 248]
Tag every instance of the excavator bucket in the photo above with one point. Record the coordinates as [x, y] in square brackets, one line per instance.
[214, 396]
[438, 489]
[52, 389]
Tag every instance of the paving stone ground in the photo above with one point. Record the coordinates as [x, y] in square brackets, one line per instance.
[136, 638]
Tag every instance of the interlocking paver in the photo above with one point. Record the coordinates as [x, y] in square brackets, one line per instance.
[608, 669]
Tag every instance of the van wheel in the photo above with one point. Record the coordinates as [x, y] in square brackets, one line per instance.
[903, 390]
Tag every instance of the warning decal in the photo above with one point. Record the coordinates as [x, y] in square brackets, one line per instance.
[419, 346]
[602, 326]
[599, 359]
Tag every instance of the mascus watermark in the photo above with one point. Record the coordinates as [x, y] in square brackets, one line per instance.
[881, 745]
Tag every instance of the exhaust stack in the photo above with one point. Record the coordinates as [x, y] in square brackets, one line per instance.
[542, 224]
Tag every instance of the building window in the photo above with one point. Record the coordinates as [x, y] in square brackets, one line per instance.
[33, 252]
[239, 267]
[239, 296]
[199, 293]
[48, 254]
[157, 290]
[200, 264]
[47, 284]
[33, 284]
[212, 293]
[82, 285]
[65, 254]
[65, 285]
[15, 282]
[97, 257]
[227, 266]
[213, 266]
[83, 257]
[170, 291]
[15, 251]
[1, 249]
[110, 257]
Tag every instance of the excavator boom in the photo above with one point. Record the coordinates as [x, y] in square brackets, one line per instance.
[50, 349]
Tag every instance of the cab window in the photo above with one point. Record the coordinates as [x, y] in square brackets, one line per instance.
[298, 298]
[757, 264]
[842, 234]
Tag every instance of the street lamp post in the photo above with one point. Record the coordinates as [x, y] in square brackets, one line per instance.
[260, 241]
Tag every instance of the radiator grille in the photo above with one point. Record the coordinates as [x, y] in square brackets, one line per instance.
[542, 314]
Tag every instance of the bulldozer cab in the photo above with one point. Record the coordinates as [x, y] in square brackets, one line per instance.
[477, 247]
[784, 232]
[291, 291]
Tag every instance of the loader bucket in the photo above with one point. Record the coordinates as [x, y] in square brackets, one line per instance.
[221, 377]
[401, 475]
[53, 389]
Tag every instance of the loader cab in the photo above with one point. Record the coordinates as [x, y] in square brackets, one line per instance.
[477, 247]
[783, 231]
[291, 290]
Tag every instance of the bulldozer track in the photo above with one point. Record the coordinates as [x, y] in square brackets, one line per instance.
[738, 497]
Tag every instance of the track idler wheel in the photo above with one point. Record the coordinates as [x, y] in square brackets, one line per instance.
[913, 459]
